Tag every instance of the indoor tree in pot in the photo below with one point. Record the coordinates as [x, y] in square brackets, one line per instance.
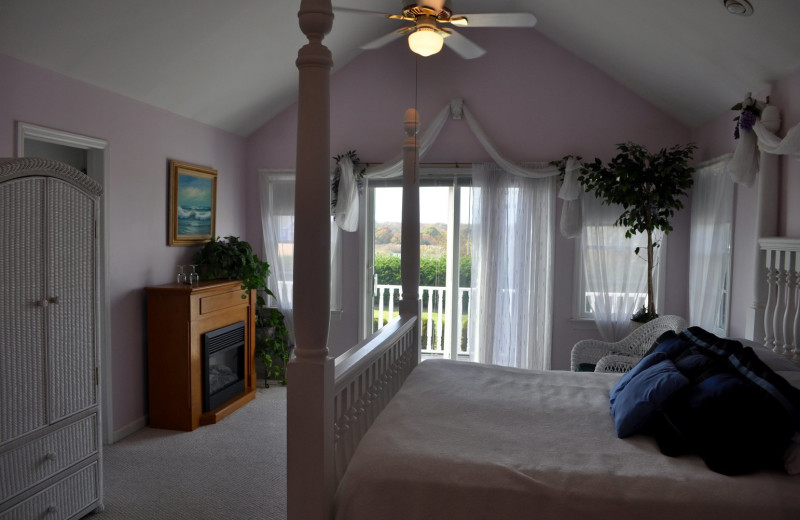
[649, 187]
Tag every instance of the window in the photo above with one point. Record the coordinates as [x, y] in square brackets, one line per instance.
[619, 247]
[445, 254]
[611, 279]
[710, 247]
[277, 216]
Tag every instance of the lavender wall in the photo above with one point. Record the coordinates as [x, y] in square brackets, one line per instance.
[786, 96]
[536, 101]
[142, 140]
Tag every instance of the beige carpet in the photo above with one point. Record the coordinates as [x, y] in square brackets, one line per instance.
[235, 469]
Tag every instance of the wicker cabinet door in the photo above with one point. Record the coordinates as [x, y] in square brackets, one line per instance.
[71, 314]
[22, 331]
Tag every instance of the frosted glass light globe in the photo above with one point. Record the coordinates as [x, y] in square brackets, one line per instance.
[425, 41]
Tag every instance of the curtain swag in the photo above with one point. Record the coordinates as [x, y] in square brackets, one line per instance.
[569, 193]
[760, 138]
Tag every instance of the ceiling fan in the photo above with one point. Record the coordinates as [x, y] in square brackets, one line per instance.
[426, 34]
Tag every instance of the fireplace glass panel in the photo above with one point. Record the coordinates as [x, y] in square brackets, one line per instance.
[223, 365]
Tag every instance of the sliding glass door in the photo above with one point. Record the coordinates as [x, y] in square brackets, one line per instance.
[445, 260]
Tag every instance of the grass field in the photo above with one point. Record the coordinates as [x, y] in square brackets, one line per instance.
[434, 322]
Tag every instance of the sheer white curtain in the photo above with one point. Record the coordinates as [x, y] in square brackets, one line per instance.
[513, 228]
[277, 222]
[709, 247]
[615, 277]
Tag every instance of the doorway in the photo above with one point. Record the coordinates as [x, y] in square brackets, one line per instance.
[89, 155]
[445, 260]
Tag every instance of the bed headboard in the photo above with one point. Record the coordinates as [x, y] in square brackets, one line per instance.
[782, 304]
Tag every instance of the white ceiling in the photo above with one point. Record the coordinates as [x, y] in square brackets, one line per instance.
[230, 63]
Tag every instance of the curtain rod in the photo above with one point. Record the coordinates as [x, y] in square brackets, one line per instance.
[429, 164]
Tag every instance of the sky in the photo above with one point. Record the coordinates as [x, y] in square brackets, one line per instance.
[433, 205]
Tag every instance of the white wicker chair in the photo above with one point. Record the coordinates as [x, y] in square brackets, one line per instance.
[622, 355]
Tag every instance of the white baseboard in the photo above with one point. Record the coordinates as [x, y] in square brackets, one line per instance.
[130, 428]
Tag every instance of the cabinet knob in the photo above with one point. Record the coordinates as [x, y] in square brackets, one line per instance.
[46, 301]
[52, 510]
[50, 456]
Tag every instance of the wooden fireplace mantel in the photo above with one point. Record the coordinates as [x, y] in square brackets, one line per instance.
[177, 317]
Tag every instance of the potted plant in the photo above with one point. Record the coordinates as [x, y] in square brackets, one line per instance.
[641, 317]
[272, 344]
[649, 187]
[233, 259]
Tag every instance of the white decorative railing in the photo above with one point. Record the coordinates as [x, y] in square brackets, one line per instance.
[433, 301]
[782, 311]
[366, 377]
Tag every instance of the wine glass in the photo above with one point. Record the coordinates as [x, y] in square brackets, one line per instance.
[194, 276]
[181, 275]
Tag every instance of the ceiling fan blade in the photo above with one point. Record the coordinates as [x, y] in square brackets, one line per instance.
[383, 40]
[499, 20]
[463, 46]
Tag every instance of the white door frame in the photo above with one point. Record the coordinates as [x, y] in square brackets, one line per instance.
[97, 168]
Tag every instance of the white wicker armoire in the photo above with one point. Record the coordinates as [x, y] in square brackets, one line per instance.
[50, 447]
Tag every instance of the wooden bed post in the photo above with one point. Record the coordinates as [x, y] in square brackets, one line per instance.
[310, 462]
[409, 247]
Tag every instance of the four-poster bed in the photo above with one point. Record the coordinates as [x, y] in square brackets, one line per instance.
[508, 440]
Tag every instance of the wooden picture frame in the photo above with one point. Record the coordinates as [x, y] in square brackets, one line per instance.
[192, 204]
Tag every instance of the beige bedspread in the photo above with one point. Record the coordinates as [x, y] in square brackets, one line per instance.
[465, 441]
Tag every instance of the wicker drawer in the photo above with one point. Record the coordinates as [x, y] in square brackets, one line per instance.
[41, 458]
[63, 500]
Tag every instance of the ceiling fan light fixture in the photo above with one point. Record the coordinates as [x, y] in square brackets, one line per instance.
[425, 41]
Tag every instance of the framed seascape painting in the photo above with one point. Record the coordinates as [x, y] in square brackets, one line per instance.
[192, 204]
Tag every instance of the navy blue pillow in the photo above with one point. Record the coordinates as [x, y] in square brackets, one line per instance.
[643, 364]
[645, 394]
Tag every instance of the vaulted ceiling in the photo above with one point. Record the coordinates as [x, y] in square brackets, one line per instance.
[230, 63]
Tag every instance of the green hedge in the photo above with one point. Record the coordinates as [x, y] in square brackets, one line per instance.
[431, 270]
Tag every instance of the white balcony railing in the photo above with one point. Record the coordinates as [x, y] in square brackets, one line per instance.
[433, 314]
